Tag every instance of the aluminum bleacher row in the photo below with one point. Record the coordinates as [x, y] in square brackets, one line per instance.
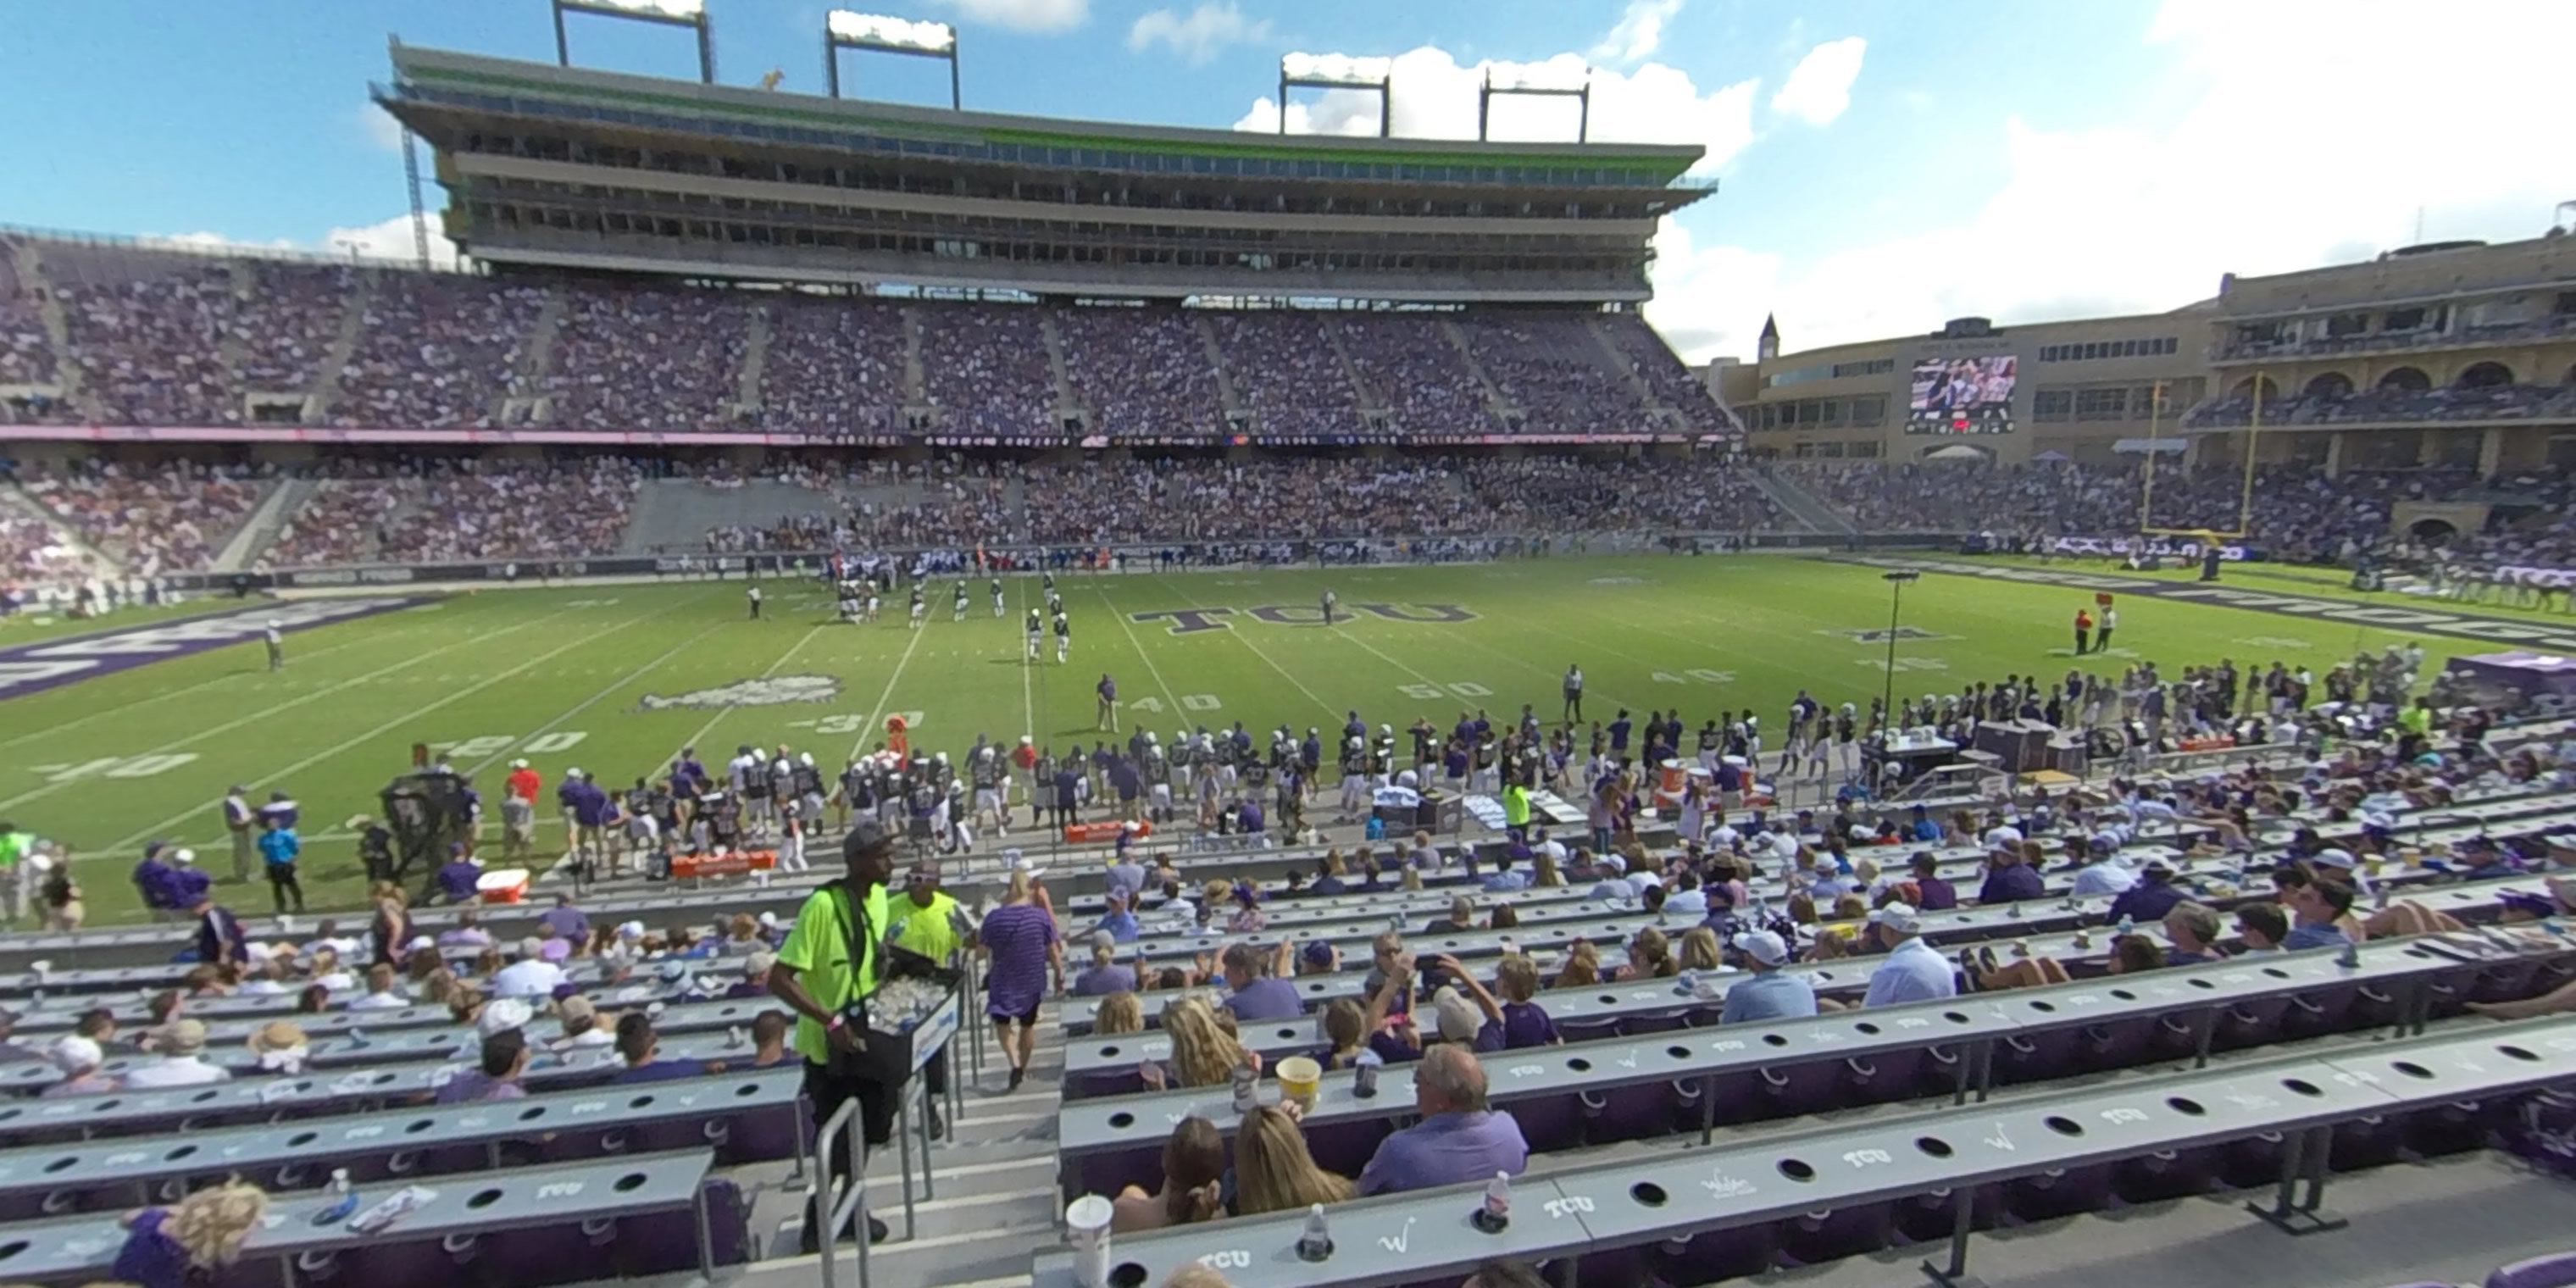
[1742, 1206]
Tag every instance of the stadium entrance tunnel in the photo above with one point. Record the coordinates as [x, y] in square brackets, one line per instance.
[2433, 532]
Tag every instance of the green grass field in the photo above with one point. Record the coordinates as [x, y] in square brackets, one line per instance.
[563, 677]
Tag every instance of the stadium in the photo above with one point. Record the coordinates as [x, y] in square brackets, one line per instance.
[1312, 744]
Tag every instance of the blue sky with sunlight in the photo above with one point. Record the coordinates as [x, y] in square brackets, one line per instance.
[1884, 165]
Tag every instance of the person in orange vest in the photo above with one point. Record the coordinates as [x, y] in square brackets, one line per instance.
[2083, 630]
[896, 741]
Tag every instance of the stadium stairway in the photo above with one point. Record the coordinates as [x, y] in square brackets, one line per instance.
[1363, 398]
[73, 389]
[755, 366]
[14, 500]
[267, 520]
[1225, 391]
[1502, 408]
[325, 393]
[1054, 338]
[1618, 365]
[1805, 508]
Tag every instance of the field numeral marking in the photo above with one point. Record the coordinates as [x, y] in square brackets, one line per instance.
[1199, 702]
[1906, 664]
[1700, 673]
[845, 725]
[1435, 692]
[116, 767]
[493, 744]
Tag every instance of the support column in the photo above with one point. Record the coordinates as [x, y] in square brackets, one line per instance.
[2490, 450]
[2334, 455]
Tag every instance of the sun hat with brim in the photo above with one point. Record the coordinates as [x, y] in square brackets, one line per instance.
[277, 1035]
[1899, 918]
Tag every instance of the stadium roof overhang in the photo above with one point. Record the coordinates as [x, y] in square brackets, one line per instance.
[433, 88]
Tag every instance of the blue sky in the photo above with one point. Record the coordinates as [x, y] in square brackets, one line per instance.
[1884, 165]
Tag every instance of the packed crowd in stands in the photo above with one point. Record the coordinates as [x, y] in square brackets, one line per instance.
[1286, 372]
[151, 350]
[1140, 371]
[34, 552]
[1408, 366]
[647, 360]
[436, 351]
[986, 369]
[2488, 402]
[511, 510]
[1552, 370]
[834, 366]
[343, 522]
[169, 519]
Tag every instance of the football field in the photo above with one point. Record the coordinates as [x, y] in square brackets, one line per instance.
[616, 678]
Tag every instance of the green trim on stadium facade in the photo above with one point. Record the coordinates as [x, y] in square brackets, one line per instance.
[1661, 169]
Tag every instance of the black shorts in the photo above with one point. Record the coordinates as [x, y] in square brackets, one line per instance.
[1027, 1020]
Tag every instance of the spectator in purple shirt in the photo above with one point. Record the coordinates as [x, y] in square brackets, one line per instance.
[503, 1058]
[1458, 1139]
[152, 881]
[459, 876]
[1937, 895]
[2009, 879]
[1258, 994]
[640, 1046]
[1021, 942]
[566, 920]
[192, 1242]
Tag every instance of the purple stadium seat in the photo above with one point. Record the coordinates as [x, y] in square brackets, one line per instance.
[2059, 1192]
[2250, 1023]
[1720, 1254]
[2557, 1270]
[1342, 1147]
[668, 1243]
[2374, 1141]
[1632, 1113]
[1549, 1122]
[1883, 1078]
[1802, 1088]
[2037, 1057]
[2167, 1174]
[1819, 1237]
[1929, 1218]
[1664, 1022]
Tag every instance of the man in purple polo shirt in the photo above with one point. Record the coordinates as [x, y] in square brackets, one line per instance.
[1458, 1139]
[566, 921]
[1259, 995]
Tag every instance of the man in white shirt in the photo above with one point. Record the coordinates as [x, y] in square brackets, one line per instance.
[180, 1062]
[1914, 971]
[530, 976]
[2106, 874]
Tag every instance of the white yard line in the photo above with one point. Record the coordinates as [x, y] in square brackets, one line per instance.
[868, 727]
[1246, 638]
[266, 712]
[593, 700]
[728, 709]
[124, 843]
[104, 712]
[1028, 666]
[1172, 702]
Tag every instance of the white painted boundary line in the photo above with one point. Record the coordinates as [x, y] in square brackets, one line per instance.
[1246, 638]
[265, 712]
[124, 843]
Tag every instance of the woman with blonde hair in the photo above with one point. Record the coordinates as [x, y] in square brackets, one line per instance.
[1582, 967]
[170, 1247]
[1543, 873]
[1203, 1053]
[1346, 1028]
[1118, 1013]
[1022, 944]
[1650, 956]
[1275, 1172]
[1699, 949]
[1193, 1183]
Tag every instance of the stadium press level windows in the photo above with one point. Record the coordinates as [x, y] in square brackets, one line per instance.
[2094, 350]
[1832, 371]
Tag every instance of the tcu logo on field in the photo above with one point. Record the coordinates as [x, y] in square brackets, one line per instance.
[1187, 620]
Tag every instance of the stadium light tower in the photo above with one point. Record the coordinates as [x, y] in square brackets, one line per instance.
[670, 13]
[1537, 80]
[843, 29]
[1340, 71]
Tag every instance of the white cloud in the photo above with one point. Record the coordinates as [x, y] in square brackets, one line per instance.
[2252, 164]
[1638, 33]
[1025, 15]
[380, 126]
[1435, 98]
[1819, 87]
[389, 239]
[1201, 34]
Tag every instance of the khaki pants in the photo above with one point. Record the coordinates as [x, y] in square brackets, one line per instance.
[245, 854]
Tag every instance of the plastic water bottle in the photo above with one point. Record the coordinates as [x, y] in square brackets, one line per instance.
[2128, 924]
[1496, 1211]
[344, 1198]
[1364, 1075]
[733, 1037]
[1314, 1243]
[357, 1037]
[1247, 1088]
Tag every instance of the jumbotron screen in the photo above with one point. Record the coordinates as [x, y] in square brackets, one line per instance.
[1962, 396]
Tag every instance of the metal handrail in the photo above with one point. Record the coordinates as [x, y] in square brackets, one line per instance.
[838, 1209]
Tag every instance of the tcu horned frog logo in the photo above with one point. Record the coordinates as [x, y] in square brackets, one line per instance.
[771, 692]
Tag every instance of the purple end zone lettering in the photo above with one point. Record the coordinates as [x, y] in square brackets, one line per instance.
[1286, 615]
[1418, 612]
[31, 668]
[1186, 620]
